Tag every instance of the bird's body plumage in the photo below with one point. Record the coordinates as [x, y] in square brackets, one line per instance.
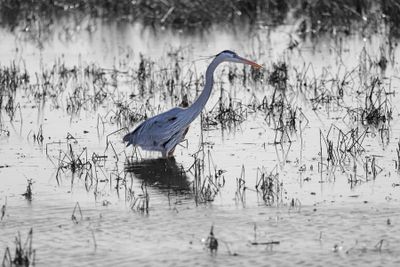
[159, 133]
[165, 131]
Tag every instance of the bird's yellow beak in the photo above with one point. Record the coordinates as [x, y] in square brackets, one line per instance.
[251, 63]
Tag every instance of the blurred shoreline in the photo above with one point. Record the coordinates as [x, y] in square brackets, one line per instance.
[306, 16]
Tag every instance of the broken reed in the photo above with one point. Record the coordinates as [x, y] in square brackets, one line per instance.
[28, 192]
[269, 187]
[376, 109]
[208, 179]
[345, 150]
[397, 161]
[341, 146]
[240, 194]
[24, 253]
[74, 218]
[140, 202]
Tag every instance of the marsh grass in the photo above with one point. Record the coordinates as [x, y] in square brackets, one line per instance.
[71, 160]
[128, 113]
[227, 113]
[12, 78]
[281, 109]
[85, 87]
[24, 253]
[91, 168]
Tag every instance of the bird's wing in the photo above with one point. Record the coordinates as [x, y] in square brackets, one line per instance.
[157, 130]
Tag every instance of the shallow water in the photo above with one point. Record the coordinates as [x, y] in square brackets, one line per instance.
[318, 218]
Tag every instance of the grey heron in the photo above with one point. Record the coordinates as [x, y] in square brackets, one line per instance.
[165, 131]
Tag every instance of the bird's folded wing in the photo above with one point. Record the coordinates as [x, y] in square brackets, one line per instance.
[159, 129]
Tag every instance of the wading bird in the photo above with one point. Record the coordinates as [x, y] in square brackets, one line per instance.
[165, 131]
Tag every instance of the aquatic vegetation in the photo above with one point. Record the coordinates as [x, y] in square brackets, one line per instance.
[128, 113]
[326, 90]
[3, 209]
[75, 162]
[278, 76]
[37, 137]
[341, 146]
[28, 193]
[356, 248]
[345, 150]
[377, 108]
[255, 242]
[269, 187]
[206, 185]
[74, 218]
[240, 194]
[211, 242]
[24, 252]
[12, 78]
[371, 168]
[227, 113]
[141, 201]
[397, 161]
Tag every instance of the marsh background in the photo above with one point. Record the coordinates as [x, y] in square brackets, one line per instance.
[295, 164]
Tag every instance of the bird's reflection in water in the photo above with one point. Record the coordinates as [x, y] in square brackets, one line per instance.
[164, 174]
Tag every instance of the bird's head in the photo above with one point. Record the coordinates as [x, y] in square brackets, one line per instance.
[231, 56]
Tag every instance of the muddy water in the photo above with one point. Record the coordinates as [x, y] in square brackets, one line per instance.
[314, 215]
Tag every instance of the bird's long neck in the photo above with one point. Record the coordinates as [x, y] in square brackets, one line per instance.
[195, 109]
